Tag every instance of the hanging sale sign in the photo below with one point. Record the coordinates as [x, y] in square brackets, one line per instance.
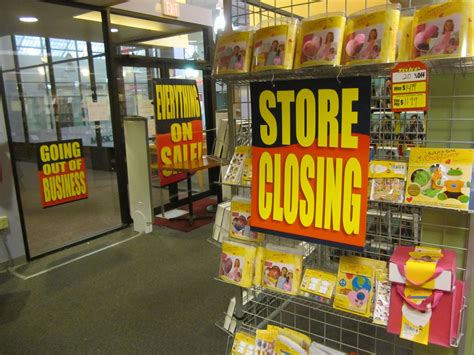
[310, 159]
[179, 133]
[61, 171]
[410, 87]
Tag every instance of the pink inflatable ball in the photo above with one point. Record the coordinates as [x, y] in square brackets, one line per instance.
[422, 38]
[311, 48]
[354, 46]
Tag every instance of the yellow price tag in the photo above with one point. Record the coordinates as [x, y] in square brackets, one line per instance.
[409, 101]
[407, 88]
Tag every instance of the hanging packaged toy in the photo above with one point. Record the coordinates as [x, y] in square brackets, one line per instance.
[442, 30]
[236, 167]
[371, 35]
[355, 284]
[440, 177]
[282, 267]
[382, 298]
[275, 45]
[387, 180]
[237, 263]
[424, 267]
[426, 316]
[319, 40]
[265, 341]
[240, 221]
[318, 284]
[233, 52]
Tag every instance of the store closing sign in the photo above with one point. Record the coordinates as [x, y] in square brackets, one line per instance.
[310, 159]
[179, 133]
[62, 172]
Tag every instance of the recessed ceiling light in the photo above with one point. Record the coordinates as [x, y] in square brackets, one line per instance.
[114, 30]
[29, 19]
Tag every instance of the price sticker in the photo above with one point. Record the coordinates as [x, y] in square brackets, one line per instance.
[409, 89]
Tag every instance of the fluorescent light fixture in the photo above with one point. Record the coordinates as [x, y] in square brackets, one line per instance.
[29, 19]
[114, 30]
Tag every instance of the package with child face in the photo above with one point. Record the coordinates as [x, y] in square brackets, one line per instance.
[240, 221]
[275, 45]
[387, 180]
[371, 35]
[355, 285]
[237, 263]
[319, 40]
[233, 52]
[282, 267]
[443, 30]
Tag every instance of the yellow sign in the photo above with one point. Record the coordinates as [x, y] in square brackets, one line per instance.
[408, 88]
[408, 101]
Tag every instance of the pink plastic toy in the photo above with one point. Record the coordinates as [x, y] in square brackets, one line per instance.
[311, 48]
[354, 45]
[422, 38]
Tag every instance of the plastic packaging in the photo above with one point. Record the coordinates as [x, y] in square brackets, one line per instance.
[237, 263]
[443, 30]
[371, 35]
[233, 52]
[319, 40]
[404, 38]
[275, 45]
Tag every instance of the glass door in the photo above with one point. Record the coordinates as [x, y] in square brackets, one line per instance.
[61, 128]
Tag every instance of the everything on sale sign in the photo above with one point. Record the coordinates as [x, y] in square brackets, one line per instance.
[310, 149]
[179, 133]
[61, 171]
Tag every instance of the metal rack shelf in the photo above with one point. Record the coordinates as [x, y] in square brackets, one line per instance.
[438, 66]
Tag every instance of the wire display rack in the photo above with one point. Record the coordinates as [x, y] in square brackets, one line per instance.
[448, 123]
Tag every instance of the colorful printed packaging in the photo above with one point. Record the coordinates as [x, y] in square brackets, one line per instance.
[265, 341]
[382, 298]
[355, 285]
[257, 277]
[440, 177]
[443, 30]
[282, 269]
[387, 180]
[319, 40]
[237, 263]
[318, 284]
[244, 344]
[424, 267]
[233, 52]
[275, 45]
[371, 36]
[236, 167]
[240, 221]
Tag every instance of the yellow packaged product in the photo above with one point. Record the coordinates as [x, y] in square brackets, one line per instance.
[275, 45]
[404, 39]
[301, 339]
[282, 267]
[233, 53]
[237, 263]
[371, 35]
[319, 40]
[240, 221]
[355, 286]
[265, 341]
[318, 283]
[443, 30]
[257, 278]
[287, 346]
[244, 344]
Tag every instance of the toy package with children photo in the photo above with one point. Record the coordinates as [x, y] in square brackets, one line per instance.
[233, 52]
[275, 46]
[387, 180]
[318, 284]
[240, 221]
[237, 263]
[370, 36]
[282, 269]
[441, 30]
[440, 177]
[319, 41]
